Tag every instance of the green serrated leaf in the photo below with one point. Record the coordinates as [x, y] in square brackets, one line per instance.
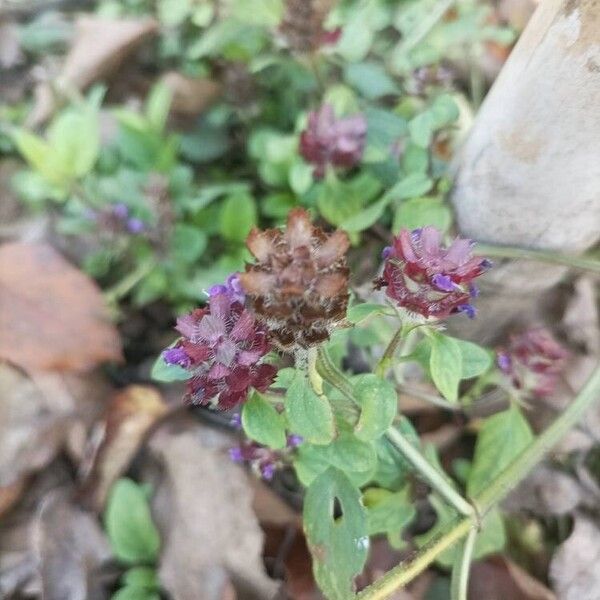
[445, 365]
[309, 415]
[379, 404]
[338, 543]
[262, 423]
[501, 439]
[128, 522]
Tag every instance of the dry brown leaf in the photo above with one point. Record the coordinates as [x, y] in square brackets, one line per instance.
[498, 578]
[52, 316]
[203, 508]
[71, 548]
[10, 494]
[574, 569]
[99, 48]
[129, 416]
[190, 95]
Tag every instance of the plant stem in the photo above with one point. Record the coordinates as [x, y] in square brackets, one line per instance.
[585, 263]
[436, 479]
[316, 381]
[388, 355]
[462, 568]
[123, 287]
[333, 375]
[508, 479]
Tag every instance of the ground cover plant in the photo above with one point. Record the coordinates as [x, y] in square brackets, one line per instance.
[247, 253]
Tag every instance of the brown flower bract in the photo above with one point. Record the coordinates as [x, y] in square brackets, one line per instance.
[299, 285]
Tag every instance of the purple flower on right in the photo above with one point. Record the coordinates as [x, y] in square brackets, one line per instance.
[328, 140]
[428, 278]
[533, 361]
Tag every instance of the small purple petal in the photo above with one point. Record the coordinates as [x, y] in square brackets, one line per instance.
[443, 282]
[473, 291]
[215, 290]
[120, 210]
[486, 264]
[468, 309]
[135, 225]
[387, 252]
[176, 356]
[236, 421]
[235, 454]
[504, 362]
[267, 471]
[293, 441]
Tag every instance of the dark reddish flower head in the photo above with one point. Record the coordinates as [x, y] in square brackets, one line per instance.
[298, 286]
[222, 346]
[427, 278]
[328, 140]
[533, 361]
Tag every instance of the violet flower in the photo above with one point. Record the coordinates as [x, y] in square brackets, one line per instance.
[328, 140]
[222, 346]
[427, 278]
[533, 361]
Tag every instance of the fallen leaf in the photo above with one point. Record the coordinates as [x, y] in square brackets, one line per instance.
[99, 48]
[71, 548]
[129, 416]
[574, 569]
[52, 316]
[203, 508]
[498, 578]
[546, 491]
[191, 95]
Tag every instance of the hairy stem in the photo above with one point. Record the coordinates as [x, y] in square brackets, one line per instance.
[494, 493]
[585, 263]
[428, 471]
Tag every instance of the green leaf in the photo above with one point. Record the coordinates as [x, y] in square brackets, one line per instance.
[443, 111]
[262, 423]
[128, 523]
[475, 359]
[388, 512]
[338, 543]
[301, 178]
[364, 310]
[420, 212]
[187, 243]
[365, 218]
[356, 458]
[238, 217]
[284, 377]
[161, 371]
[370, 79]
[421, 128]
[132, 592]
[142, 577]
[445, 365]
[379, 404]
[309, 415]
[501, 439]
[158, 104]
[415, 184]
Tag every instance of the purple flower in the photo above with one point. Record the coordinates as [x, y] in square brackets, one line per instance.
[232, 288]
[135, 225]
[533, 361]
[222, 347]
[176, 356]
[328, 140]
[293, 441]
[427, 278]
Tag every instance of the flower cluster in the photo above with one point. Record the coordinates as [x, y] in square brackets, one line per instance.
[427, 278]
[328, 140]
[222, 346]
[262, 460]
[117, 219]
[533, 361]
[298, 286]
